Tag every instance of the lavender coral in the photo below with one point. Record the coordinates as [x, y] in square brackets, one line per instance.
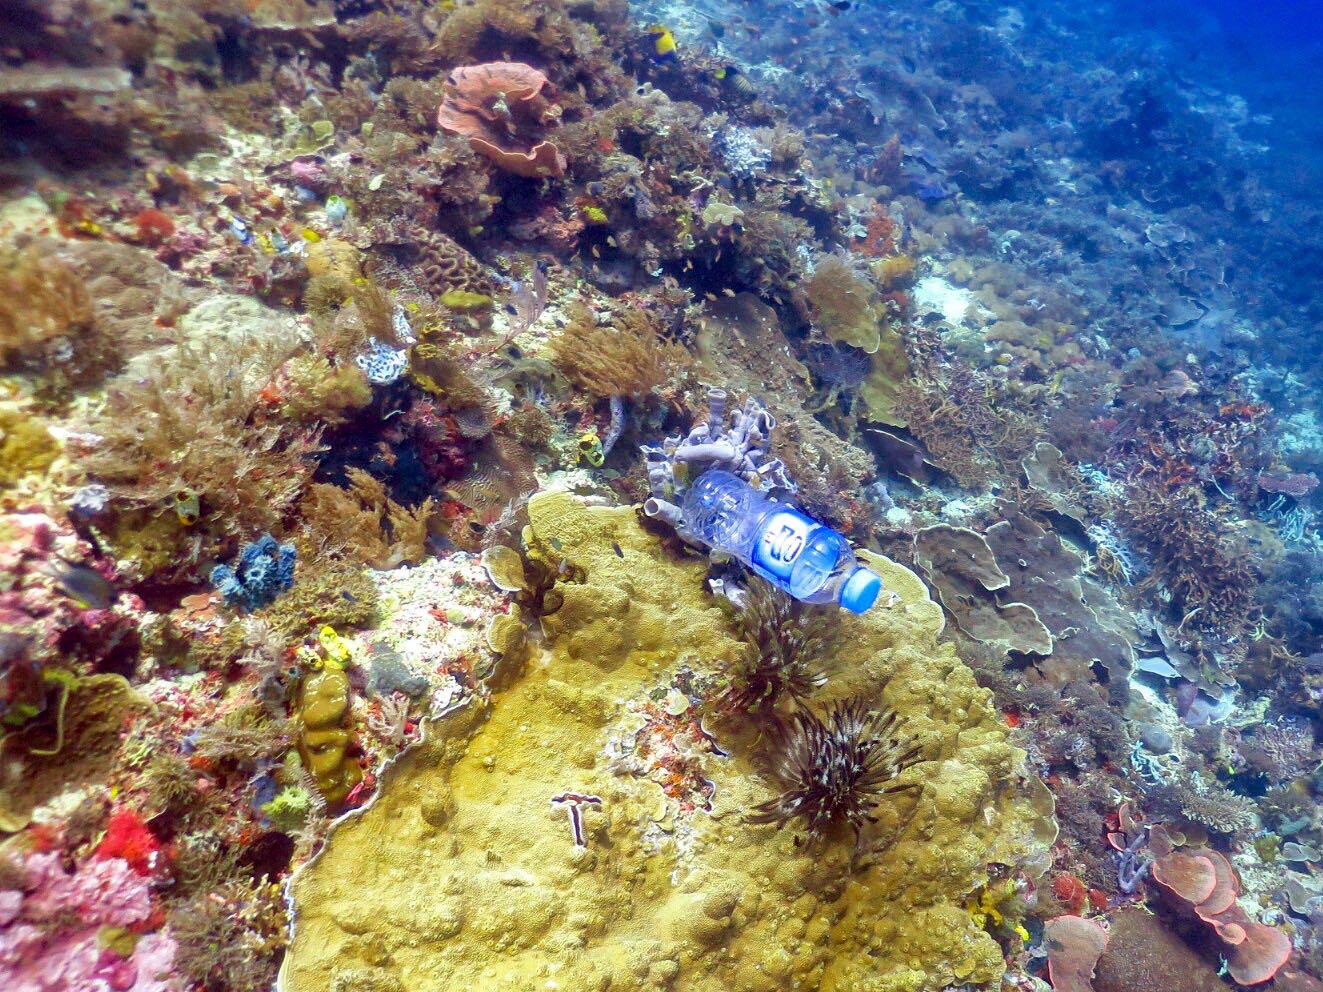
[740, 447]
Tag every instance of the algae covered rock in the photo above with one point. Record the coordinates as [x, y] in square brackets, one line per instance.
[583, 830]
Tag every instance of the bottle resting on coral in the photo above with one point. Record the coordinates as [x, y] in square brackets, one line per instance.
[794, 552]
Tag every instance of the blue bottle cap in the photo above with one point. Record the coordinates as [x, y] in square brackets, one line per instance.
[861, 590]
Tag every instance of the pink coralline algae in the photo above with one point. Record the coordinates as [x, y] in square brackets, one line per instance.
[49, 931]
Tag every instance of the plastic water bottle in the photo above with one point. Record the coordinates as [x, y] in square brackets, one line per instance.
[786, 547]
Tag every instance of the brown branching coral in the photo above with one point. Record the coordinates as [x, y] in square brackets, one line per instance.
[625, 357]
[1195, 557]
[966, 434]
[197, 424]
[365, 524]
[837, 769]
[231, 938]
[47, 322]
[785, 640]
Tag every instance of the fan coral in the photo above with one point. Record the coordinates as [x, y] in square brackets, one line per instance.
[837, 769]
[842, 303]
[503, 109]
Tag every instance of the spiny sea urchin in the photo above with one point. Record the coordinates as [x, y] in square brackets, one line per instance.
[785, 641]
[836, 769]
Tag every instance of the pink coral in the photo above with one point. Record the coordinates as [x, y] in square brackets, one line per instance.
[1202, 880]
[48, 932]
[102, 892]
[503, 109]
[1074, 946]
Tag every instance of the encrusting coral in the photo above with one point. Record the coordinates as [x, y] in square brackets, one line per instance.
[474, 870]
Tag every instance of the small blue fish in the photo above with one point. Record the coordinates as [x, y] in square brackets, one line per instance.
[241, 231]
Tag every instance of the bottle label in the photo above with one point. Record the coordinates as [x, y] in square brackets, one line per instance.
[781, 542]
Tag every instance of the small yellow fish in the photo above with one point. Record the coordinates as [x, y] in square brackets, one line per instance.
[663, 43]
[187, 507]
[590, 449]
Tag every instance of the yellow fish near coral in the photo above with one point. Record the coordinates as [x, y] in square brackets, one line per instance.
[590, 449]
[663, 43]
[187, 507]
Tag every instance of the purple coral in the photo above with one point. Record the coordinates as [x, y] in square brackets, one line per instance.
[739, 448]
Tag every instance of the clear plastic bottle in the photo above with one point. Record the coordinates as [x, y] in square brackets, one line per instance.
[786, 547]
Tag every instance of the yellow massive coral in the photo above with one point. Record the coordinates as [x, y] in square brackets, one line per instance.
[466, 872]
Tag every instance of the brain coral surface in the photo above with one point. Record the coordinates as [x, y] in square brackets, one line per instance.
[464, 874]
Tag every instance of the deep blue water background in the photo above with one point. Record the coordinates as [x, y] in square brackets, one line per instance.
[1269, 51]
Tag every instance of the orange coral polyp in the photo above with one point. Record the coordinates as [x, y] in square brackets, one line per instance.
[502, 108]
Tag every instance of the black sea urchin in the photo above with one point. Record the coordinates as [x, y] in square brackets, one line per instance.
[836, 770]
[785, 641]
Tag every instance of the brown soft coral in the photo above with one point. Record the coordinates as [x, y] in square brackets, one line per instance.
[365, 524]
[194, 424]
[503, 109]
[626, 357]
[47, 322]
